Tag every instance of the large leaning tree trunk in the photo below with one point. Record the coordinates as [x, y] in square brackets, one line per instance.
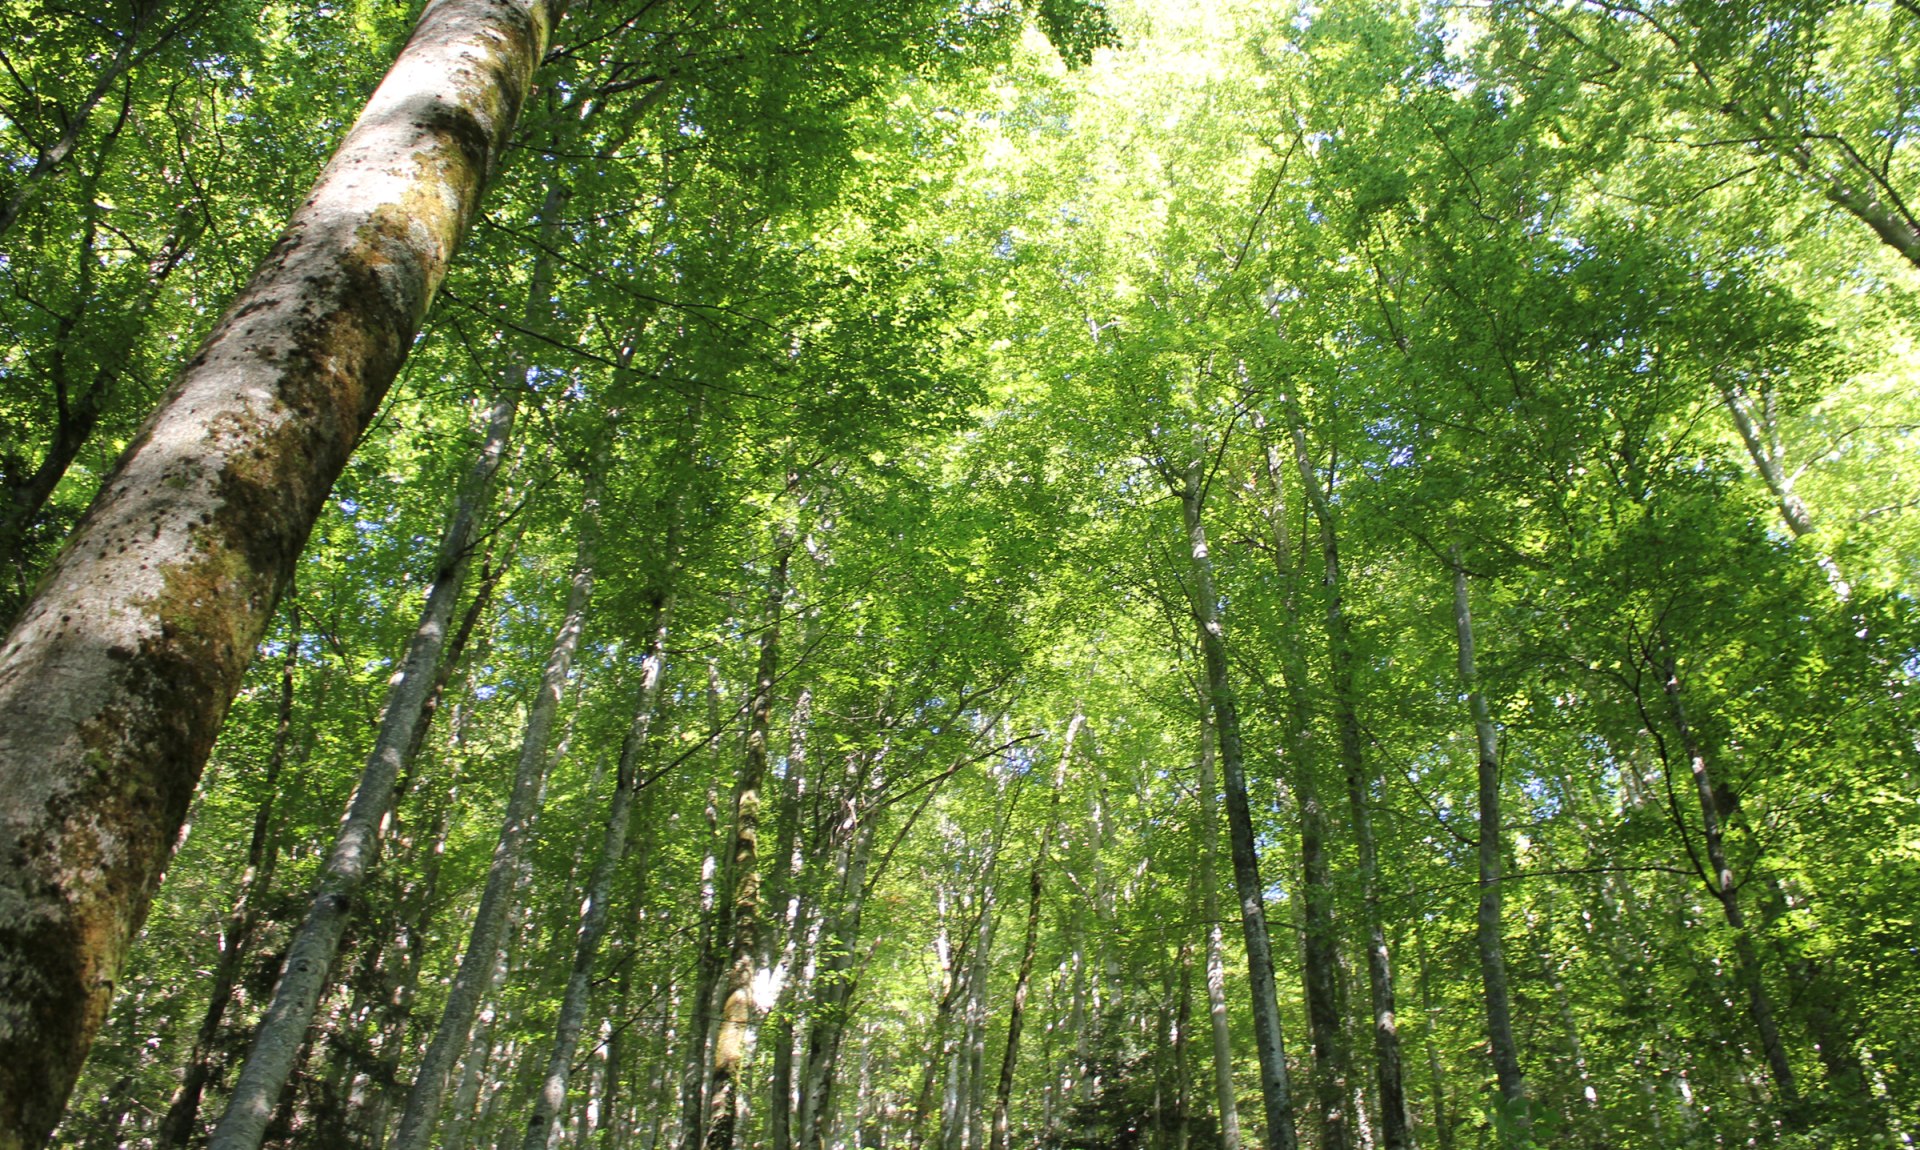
[1275, 1090]
[1493, 963]
[150, 615]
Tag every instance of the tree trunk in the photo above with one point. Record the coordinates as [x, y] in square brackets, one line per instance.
[834, 984]
[1325, 988]
[693, 1080]
[356, 846]
[1223, 1088]
[1727, 892]
[1396, 1128]
[470, 981]
[613, 849]
[1036, 880]
[236, 938]
[1493, 963]
[149, 616]
[736, 1015]
[1269, 1042]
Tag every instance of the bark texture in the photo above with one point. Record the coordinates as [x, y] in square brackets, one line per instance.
[1320, 969]
[1221, 1026]
[1396, 1126]
[120, 671]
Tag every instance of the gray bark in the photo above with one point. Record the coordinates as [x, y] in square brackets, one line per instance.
[551, 1101]
[149, 616]
[304, 976]
[1223, 1088]
[1493, 964]
[1396, 1126]
[1325, 988]
[1269, 1043]
[736, 1015]
[451, 1036]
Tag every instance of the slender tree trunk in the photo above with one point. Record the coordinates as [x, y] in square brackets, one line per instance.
[1436, 1072]
[236, 938]
[1321, 975]
[47, 162]
[693, 1080]
[1223, 1088]
[613, 849]
[1269, 1043]
[1727, 892]
[834, 985]
[736, 1016]
[149, 616]
[790, 894]
[1036, 881]
[310, 955]
[455, 1030]
[1396, 1127]
[1487, 931]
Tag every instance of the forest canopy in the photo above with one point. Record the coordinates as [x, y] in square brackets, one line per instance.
[910, 575]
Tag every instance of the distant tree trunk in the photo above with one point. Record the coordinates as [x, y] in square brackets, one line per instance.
[236, 937]
[693, 1079]
[1726, 891]
[552, 1099]
[1396, 1127]
[736, 1016]
[791, 899]
[1493, 963]
[1036, 881]
[310, 955]
[1320, 968]
[833, 986]
[1268, 1041]
[455, 1030]
[1224, 1092]
[1436, 1072]
[150, 615]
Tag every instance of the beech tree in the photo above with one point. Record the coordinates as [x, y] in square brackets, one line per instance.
[1451, 466]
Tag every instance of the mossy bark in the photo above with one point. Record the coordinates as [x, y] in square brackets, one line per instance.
[116, 678]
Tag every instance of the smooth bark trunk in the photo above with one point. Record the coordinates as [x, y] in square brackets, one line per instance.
[1224, 1093]
[551, 1101]
[1487, 923]
[455, 1030]
[305, 972]
[1396, 1127]
[1320, 969]
[151, 613]
[1269, 1043]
